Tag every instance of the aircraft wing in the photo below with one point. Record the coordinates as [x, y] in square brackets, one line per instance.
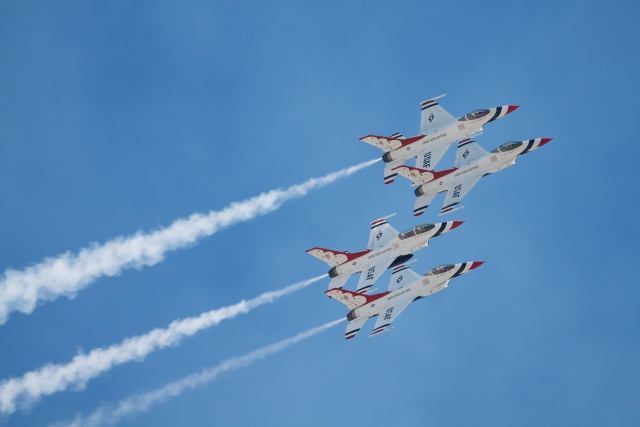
[389, 315]
[456, 194]
[381, 233]
[369, 275]
[433, 115]
[429, 158]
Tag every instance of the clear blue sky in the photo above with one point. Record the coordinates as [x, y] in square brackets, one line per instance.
[116, 117]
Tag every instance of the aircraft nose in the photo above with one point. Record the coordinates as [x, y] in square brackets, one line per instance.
[476, 264]
[456, 224]
[511, 109]
[544, 141]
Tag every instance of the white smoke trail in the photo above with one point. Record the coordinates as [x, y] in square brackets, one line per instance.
[21, 392]
[113, 413]
[68, 273]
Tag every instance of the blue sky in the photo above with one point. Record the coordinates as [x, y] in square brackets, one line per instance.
[118, 117]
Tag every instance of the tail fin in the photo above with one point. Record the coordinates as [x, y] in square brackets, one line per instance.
[401, 276]
[468, 150]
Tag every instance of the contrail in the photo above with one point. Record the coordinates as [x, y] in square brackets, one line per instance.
[66, 274]
[49, 379]
[113, 413]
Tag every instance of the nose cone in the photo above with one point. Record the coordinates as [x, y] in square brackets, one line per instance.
[544, 141]
[476, 264]
[511, 109]
[456, 224]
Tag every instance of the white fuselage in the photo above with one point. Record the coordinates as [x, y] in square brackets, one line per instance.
[392, 250]
[425, 286]
[487, 164]
[443, 135]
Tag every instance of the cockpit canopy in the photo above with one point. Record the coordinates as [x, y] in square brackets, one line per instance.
[416, 231]
[474, 115]
[439, 269]
[508, 146]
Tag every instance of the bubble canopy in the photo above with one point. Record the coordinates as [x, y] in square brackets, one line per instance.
[474, 115]
[443, 268]
[416, 231]
[508, 146]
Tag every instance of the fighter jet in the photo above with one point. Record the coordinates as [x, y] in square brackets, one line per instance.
[438, 130]
[472, 163]
[404, 288]
[387, 248]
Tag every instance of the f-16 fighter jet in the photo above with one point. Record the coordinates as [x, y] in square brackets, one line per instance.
[438, 130]
[472, 163]
[387, 248]
[404, 288]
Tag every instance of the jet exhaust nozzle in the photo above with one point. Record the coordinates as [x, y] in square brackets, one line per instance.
[334, 272]
[418, 191]
[386, 157]
[353, 314]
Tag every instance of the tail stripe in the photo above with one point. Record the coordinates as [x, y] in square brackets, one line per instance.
[425, 106]
[378, 225]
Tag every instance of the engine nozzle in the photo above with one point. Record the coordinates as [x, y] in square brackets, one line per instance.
[334, 272]
[353, 314]
[386, 157]
[418, 191]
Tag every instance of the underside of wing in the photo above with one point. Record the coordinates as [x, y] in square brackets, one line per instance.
[370, 275]
[388, 315]
[456, 193]
[385, 143]
[429, 159]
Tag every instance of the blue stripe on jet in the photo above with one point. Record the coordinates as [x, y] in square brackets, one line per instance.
[459, 272]
[495, 116]
[529, 145]
[429, 106]
[378, 225]
[448, 206]
[442, 227]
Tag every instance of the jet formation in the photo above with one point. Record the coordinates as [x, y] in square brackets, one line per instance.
[389, 249]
